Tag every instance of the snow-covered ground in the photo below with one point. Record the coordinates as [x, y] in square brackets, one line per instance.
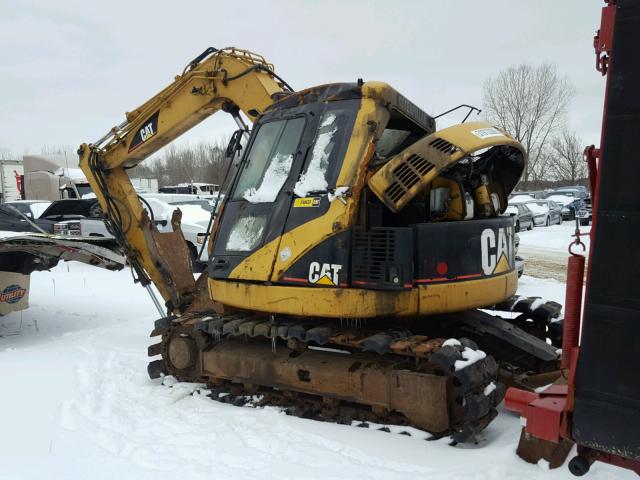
[554, 237]
[77, 403]
[545, 249]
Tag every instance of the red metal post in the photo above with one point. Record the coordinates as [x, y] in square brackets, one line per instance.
[572, 307]
[516, 400]
[592, 154]
[604, 38]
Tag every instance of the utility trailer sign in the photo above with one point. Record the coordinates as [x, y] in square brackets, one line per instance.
[14, 292]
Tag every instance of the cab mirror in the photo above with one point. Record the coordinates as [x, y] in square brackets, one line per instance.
[235, 143]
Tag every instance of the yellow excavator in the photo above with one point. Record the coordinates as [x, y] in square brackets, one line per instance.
[350, 257]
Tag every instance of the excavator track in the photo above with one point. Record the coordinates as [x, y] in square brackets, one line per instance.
[537, 316]
[340, 370]
[338, 375]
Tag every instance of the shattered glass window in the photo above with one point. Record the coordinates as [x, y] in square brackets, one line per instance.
[390, 141]
[269, 161]
[399, 133]
[314, 177]
[246, 233]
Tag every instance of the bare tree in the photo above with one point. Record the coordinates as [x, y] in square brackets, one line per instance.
[530, 103]
[202, 162]
[568, 163]
[59, 150]
[7, 154]
[541, 170]
[69, 153]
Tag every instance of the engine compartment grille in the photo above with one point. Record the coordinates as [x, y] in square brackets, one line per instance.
[406, 175]
[382, 258]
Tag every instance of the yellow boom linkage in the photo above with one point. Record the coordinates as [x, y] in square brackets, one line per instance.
[229, 79]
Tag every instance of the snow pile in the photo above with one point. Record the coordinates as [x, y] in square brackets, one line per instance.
[339, 194]
[511, 209]
[543, 464]
[245, 234]
[194, 215]
[542, 389]
[521, 198]
[161, 211]
[313, 180]
[272, 182]
[563, 200]
[555, 237]
[470, 356]
[6, 234]
[538, 208]
[537, 303]
[38, 208]
[489, 388]
[394, 429]
[519, 298]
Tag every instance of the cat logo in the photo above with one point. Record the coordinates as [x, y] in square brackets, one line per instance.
[497, 251]
[324, 273]
[147, 132]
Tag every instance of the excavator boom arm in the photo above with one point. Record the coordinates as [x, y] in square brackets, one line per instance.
[231, 80]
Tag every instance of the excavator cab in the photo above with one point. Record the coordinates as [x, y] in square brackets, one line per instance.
[347, 186]
[292, 157]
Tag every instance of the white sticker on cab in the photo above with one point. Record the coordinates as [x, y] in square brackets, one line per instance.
[487, 132]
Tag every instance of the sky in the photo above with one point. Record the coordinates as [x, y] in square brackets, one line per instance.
[70, 69]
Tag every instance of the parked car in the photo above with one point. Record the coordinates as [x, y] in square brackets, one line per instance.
[583, 191]
[195, 220]
[520, 198]
[31, 208]
[569, 204]
[577, 192]
[523, 217]
[584, 214]
[206, 205]
[206, 201]
[519, 259]
[79, 218]
[531, 193]
[193, 188]
[545, 212]
[570, 211]
[13, 220]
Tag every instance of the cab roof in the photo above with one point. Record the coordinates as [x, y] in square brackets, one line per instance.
[379, 91]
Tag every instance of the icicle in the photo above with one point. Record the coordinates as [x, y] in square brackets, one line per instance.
[273, 334]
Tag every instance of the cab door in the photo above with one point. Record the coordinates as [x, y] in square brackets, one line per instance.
[255, 214]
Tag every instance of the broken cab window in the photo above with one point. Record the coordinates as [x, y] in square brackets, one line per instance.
[268, 162]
